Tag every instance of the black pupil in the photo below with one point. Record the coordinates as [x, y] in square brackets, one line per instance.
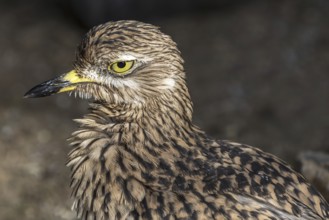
[121, 64]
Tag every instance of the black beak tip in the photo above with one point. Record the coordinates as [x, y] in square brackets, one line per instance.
[30, 94]
[47, 88]
[42, 90]
[35, 92]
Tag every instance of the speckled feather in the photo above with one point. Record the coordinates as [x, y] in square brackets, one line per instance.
[137, 154]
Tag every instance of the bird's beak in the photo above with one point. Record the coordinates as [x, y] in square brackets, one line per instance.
[64, 83]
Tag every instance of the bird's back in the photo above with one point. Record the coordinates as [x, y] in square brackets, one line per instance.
[234, 182]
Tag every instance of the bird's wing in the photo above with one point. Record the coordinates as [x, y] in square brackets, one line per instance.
[262, 207]
[258, 179]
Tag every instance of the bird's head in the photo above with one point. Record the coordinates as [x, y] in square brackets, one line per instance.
[121, 62]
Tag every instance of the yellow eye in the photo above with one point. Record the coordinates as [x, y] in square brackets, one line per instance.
[121, 66]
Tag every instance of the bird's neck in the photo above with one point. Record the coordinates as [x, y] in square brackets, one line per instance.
[119, 146]
[128, 141]
[135, 123]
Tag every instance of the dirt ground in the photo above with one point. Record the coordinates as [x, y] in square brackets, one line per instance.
[258, 73]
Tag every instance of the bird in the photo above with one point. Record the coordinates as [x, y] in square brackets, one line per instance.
[137, 153]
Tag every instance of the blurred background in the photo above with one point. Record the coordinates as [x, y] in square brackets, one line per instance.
[258, 73]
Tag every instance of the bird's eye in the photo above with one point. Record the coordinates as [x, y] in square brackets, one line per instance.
[121, 67]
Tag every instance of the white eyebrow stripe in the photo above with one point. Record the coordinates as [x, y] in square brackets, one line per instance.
[126, 57]
[132, 56]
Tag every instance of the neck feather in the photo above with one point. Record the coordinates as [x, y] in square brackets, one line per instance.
[118, 143]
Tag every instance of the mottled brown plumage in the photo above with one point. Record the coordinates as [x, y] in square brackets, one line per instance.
[137, 154]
